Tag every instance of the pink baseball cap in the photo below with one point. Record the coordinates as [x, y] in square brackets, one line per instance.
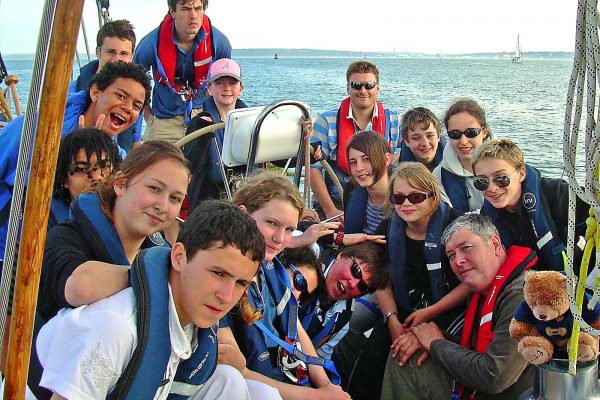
[224, 67]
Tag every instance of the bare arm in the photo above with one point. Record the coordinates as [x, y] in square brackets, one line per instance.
[319, 188]
[387, 304]
[455, 298]
[57, 397]
[95, 280]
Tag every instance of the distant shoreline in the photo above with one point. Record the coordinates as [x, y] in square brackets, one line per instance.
[313, 53]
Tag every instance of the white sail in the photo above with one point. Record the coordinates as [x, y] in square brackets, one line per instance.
[518, 54]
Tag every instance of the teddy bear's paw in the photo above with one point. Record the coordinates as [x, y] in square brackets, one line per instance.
[586, 352]
[536, 355]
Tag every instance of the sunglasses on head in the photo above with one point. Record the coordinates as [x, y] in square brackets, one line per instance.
[298, 281]
[359, 85]
[356, 273]
[455, 134]
[483, 182]
[413, 198]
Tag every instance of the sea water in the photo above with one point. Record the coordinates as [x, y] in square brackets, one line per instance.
[525, 102]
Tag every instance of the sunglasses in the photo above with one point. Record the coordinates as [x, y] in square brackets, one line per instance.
[455, 134]
[359, 85]
[299, 281]
[483, 182]
[413, 198]
[104, 166]
[356, 273]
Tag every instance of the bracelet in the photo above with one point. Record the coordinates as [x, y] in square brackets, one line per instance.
[339, 238]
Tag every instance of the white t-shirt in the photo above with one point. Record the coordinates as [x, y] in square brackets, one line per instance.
[85, 350]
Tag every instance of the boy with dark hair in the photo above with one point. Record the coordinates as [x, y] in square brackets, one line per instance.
[113, 103]
[421, 141]
[85, 156]
[115, 42]
[325, 313]
[158, 338]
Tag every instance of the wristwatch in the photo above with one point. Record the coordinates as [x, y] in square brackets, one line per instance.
[387, 316]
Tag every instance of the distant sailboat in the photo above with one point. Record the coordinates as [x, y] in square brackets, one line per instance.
[276, 56]
[518, 58]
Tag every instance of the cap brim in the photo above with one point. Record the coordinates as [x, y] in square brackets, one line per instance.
[214, 78]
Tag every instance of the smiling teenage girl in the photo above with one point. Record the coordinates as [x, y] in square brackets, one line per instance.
[424, 288]
[467, 129]
[276, 205]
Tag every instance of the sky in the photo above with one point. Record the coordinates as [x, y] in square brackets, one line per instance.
[424, 26]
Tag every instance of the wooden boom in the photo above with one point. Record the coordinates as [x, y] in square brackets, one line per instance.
[41, 178]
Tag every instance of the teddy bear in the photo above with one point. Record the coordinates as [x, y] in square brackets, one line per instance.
[544, 319]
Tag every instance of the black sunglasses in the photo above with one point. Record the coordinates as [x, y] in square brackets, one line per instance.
[356, 273]
[299, 281]
[413, 198]
[105, 167]
[359, 85]
[482, 183]
[455, 134]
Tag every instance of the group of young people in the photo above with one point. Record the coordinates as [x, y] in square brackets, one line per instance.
[230, 304]
[408, 182]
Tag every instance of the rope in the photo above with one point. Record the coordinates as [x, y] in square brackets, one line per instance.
[583, 79]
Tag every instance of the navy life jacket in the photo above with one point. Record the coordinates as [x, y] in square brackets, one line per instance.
[86, 73]
[215, 169]
[535, 207]
[433, 252]
[456, 189]
[320, 332]
[406, 153]
[356, 210]
[87, 213]
[253, 342]
[145, 372]
[59, 212]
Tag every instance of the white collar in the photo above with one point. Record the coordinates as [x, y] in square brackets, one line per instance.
[375, 112]
[183, 339]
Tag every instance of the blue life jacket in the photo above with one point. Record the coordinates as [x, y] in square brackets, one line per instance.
[252, 341]
[59, 212]
[433, 251]
[87, 212]
[356, 210]
[210, 107]
[534, 205]
[145, 372]
[86, 73]
[406, 153]
[318, 331]
[456, 189]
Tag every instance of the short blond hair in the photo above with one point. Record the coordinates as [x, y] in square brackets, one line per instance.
[261, 187]
[419, 177]
[500, 149]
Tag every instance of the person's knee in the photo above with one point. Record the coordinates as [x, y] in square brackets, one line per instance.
[262, 391]
[227, 375]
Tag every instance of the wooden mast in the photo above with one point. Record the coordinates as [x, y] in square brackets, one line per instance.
[57, 75]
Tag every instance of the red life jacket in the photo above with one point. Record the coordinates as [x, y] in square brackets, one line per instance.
[167, 55]
[345, 131]
[518, 259]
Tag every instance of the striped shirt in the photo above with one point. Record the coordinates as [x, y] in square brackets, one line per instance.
[373, 217]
